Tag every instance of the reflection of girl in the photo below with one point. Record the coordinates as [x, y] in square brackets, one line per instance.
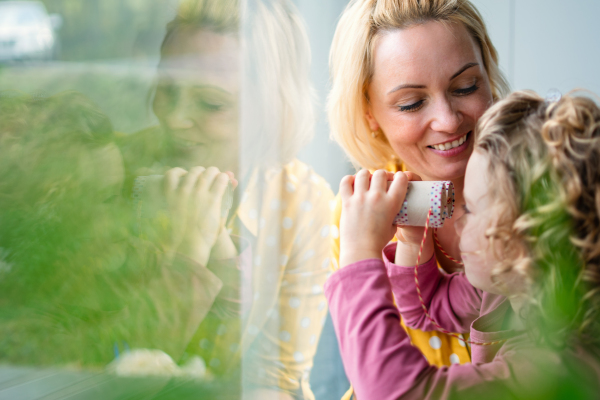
[410, 80]
[74, 284]
[530, 242]
[234, 94]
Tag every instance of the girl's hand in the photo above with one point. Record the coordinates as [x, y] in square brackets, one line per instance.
[368, 211]
[410, 238]
[194, 201]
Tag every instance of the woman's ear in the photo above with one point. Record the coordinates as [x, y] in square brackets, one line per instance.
[373, 125]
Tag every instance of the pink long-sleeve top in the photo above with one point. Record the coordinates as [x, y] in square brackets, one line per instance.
[382, 364]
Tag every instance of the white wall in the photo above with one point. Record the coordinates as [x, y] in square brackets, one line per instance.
[326, 157]
[546, 44]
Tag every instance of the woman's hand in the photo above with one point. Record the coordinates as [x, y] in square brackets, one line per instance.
[368, 211]
[410, 238]
[194, 200]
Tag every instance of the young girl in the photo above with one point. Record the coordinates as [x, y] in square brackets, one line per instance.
[530, 241]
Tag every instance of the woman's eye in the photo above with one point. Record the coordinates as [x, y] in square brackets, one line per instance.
[466, 91]
[411, 107]
[212, 106]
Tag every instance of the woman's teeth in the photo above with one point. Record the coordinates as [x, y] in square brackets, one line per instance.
[450, 145]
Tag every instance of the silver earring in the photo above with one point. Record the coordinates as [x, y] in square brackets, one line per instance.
[374, 134]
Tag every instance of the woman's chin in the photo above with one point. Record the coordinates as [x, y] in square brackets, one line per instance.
[454, 171]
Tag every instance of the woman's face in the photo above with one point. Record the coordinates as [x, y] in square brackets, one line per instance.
[196, 99]
[427, 92]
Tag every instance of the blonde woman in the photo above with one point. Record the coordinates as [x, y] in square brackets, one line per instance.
[410, 80]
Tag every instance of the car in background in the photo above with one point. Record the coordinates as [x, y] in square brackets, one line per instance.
[27, 32]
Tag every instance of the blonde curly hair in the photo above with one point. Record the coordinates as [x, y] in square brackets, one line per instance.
[351, 65]
[544, 179]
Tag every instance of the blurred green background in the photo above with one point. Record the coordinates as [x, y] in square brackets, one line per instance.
[108, 51]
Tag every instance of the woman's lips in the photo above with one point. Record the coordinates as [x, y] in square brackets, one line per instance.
[455, 151]
[185, 143]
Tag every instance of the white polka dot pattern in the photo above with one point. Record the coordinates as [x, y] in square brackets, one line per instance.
[295, 302]
[285, 336]
[454, 359]
[435, 342]
[306, 206]
[335, 232]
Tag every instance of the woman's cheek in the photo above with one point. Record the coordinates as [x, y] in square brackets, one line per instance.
[403, 132]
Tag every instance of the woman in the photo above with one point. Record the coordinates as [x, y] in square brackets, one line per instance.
[252, 126]
[410, 80]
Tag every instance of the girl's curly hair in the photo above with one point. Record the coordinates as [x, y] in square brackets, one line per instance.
[544, 180]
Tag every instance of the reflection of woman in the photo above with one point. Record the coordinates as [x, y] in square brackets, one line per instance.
[410, 80]
[233, 94]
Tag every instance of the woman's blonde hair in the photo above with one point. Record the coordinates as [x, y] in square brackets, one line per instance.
[277, 115]
[544, 186]
[351, 65]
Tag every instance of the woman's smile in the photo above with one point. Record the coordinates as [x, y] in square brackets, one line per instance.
[452, 147]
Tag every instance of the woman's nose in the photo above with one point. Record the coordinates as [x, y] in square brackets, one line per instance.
[446, 118]
[179, 118]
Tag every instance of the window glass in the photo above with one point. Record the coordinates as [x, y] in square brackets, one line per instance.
[166, 198]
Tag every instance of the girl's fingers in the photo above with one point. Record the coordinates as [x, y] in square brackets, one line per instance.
[234, 182]
[398, 188]
[171, 179]
[346, 186]
[188, 183]
[361, 181]
[379, 180]
[220, 184]
[205, 181]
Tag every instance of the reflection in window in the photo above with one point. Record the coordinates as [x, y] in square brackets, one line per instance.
[159, 236]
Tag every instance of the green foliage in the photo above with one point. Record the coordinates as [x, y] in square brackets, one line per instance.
[111, 29]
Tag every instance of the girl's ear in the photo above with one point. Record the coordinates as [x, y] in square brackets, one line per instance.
[373, 125]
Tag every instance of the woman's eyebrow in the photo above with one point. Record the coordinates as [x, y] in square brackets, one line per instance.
[463, 69]
[406, 86]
